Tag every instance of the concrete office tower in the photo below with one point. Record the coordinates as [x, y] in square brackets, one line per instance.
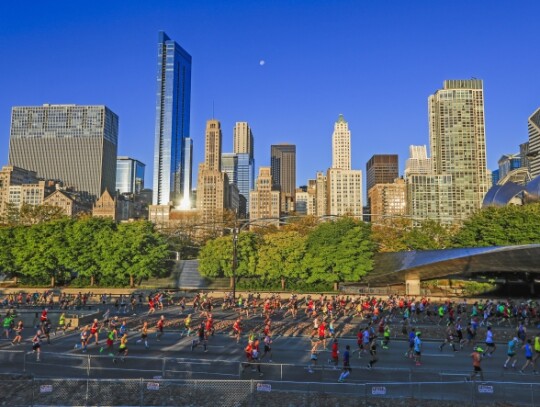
[173, 146]
[243, 139]
[11, 176]
[534, 143]
[72, 143]
[341, 145]
[321, 198]
[283, 167]
[458, 144]
[524, 154]
[129, 175]
[306, 199]
[344, 185]
[212, 184]
[381, 169]
[264, 201]
[388, 200]
[418, 161]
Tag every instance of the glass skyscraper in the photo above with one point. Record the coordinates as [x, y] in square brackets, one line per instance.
[173, 145]
[129, 175]
[240, 169]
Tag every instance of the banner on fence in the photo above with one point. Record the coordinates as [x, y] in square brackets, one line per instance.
[45, 388]
[152, 386]
[264, 387]
[378, 390]
[485, 389]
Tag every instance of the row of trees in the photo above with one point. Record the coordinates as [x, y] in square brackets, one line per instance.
[328, 253]
[311, 252]
[90, 250]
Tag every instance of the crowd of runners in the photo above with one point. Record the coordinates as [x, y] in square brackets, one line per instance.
[466, 326]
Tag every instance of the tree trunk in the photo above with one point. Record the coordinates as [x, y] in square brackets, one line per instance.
[92, 280]
[231, 282]
[282, 283]
[52, 281]
[336, 286]
[131, 281]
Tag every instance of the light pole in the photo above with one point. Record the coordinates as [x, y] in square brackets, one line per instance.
[235, 260]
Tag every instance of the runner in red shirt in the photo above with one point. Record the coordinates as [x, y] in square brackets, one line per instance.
[322, 334]
[335, 354]
[160, 325]
[237, 329]
[94, 329]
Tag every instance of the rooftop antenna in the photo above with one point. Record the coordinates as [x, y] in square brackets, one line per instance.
[213, 109]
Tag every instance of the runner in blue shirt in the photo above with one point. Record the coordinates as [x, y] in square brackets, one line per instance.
[346, 365]
[528, 357]
[511, 352]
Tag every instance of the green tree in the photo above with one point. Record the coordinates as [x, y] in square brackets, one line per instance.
[34, 214]
[280, 256]
[136, 251]
[338, 251]
[497, 226]
[7, 259]
[392, 234]
[215, 257]
[430, 235]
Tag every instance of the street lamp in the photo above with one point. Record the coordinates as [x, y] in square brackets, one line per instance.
[235, 260]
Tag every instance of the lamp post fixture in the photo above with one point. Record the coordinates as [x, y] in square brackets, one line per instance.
[235, 260]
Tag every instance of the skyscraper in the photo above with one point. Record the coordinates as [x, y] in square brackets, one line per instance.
[283, 167]
[243, 139]
[534, 143]
[458, 143]
[72, 143]
[173, 145]
[418, 161]
[344, 185]
[381, 169]
[265, 201]
[129, 175]
[387, 200]
[212, 184]
[341, 145]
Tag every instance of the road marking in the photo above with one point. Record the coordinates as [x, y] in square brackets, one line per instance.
[437, 355]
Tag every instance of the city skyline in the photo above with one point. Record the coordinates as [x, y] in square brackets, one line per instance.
[277, 98]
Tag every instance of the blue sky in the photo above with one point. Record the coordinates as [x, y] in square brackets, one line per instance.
[374, 61]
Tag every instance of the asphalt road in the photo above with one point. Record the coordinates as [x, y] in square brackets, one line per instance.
[172, 358]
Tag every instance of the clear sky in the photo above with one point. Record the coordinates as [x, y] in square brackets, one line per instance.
[374, 61]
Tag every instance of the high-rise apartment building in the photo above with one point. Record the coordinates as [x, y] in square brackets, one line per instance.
[129, 175]
[306, 199]
[283, 167]
[418, 161]
[344, 185]
[72, 143]
[264, 200]
[388, 200]
[341, 145]
[458, 144]
[524, 154]
[173, 146]
[381, 169]
[212, 184]
[534, 143]
[429, 197]
[321, 196]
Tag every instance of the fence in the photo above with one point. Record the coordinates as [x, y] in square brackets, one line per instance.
[159, 392]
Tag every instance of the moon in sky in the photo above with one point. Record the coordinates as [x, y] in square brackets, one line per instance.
[262, 62]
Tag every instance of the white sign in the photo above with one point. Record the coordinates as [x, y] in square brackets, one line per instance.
[157, 377]
[378, 390]
[264, 387]
[485, 389]
[152, 386]
[45, 388]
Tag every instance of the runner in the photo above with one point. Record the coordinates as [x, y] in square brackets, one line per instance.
[322, 334]
[18, 333]
[267, 347]
[237, 329]
[313, 357]
[528, 357]
[122, 350]
[477, 359]
[346, 365]
[36, 345]
[94, 331]
[490, 343]
[386, 337]
[144, 335]
[373, 353]
[111, 336]
[202, 339]
[187, 326]
[47, 330]
[84, 339]
[410, 351]
[417, 348]
[159, 327]
[449, 338]
[61, 323]
[334, 354]
[512, 344]
[8, 324]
